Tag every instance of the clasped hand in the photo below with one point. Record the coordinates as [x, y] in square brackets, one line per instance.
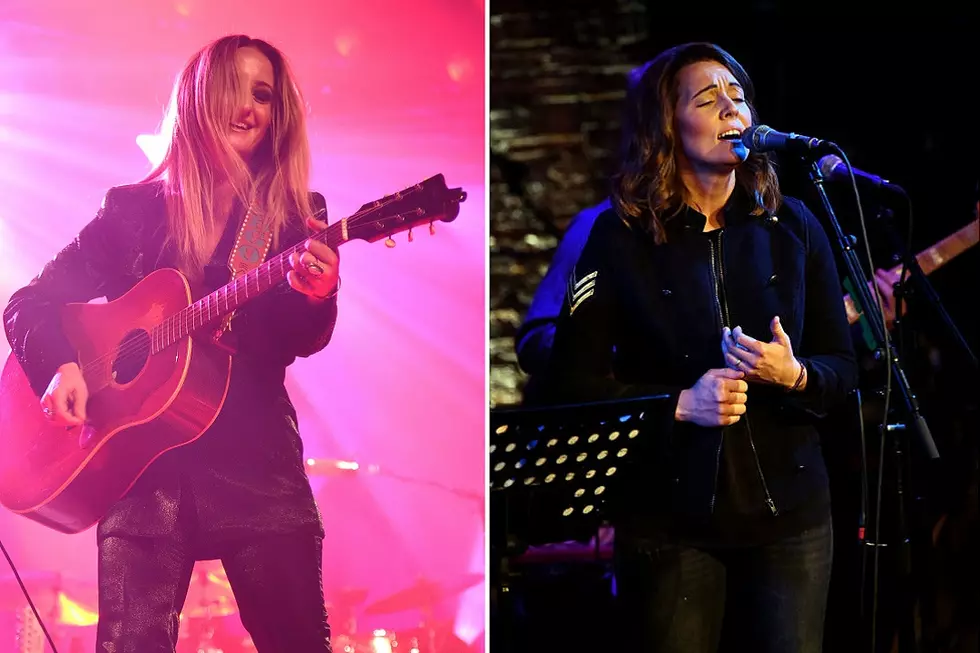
[762, 362]
[719, 397]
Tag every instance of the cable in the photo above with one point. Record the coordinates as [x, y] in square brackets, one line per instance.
[902, 277]
[872, 315]
[27, 595]
[863, 515]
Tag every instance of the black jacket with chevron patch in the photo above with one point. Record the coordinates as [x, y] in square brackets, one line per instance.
[645, 319]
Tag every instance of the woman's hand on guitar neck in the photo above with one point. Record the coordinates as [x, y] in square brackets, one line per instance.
[316, 267]
[64, 401]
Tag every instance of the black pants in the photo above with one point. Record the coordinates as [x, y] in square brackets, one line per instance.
[276, 579]
[767, 599]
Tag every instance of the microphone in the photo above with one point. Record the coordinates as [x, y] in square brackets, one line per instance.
[834, 169]
[762, 138]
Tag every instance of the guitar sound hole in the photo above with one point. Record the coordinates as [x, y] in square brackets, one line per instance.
[131, 356]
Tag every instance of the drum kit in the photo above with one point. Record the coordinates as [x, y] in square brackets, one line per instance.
[210, 599]
[209, 621]
[66, 606]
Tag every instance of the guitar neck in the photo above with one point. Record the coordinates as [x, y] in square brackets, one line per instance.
[425, 202]
[237, 292]
[946, 249]
[930, 259]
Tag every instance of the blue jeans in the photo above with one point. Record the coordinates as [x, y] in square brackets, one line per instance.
[765, 599]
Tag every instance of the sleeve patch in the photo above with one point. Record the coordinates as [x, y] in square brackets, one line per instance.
[579, 290]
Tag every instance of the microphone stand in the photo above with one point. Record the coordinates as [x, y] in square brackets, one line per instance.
[885, 348]
[921, 286]
[915, 283]
[875, 320]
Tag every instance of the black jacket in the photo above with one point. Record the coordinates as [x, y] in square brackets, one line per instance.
[246, 473]
[642, 319]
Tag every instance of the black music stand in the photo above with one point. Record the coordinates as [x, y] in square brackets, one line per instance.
[569, 458]
[554, 474]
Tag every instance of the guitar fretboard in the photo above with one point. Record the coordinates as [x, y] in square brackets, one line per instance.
[368, 223]
[947, 249]
[930, 259]
[231, 296]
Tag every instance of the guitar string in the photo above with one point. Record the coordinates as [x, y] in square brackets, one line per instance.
[160, 333]
[197, 309]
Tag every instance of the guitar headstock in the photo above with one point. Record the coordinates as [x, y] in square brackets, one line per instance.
[425, 203]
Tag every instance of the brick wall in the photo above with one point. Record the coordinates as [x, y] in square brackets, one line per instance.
[557, 79]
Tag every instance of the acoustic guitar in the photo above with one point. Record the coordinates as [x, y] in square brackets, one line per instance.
[157, 379]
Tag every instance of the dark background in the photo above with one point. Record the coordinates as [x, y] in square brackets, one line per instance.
[898, 91]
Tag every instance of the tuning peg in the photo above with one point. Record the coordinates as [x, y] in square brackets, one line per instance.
[389, 242]
[410, 236]
[432, 229]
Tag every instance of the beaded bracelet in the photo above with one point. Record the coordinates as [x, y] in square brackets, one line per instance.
[332, 293]
[799, 379]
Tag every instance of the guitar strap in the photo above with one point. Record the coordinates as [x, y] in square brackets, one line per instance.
[866, 333]
[251, 245]
[250, 249]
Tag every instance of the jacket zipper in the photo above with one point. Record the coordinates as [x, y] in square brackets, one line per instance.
[758, 466]
[718, 276]
[721, 319]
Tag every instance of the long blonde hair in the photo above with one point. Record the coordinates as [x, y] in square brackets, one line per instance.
[199, 155]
